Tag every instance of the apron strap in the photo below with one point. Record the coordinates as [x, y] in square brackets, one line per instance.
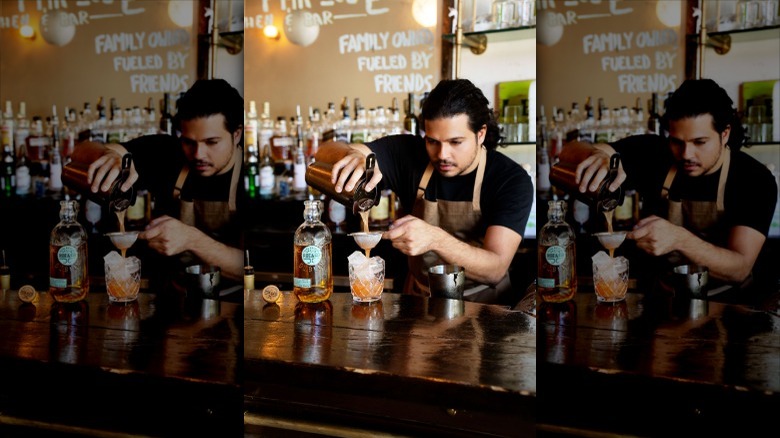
[668, 182]
[724, 171]
[480, 176]
[424, 181]
[238, 159]
[180, 182]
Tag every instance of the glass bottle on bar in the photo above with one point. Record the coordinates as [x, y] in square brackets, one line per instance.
[68, 272]
[312, 270]
[557, 273]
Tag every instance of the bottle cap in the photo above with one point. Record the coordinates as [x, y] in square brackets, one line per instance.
[28, 294]
[271, 293]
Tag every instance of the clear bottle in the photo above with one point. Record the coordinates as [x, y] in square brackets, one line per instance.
[267, 177]
[411, 123]
[557, 273]
[312, 272]
[299, 165]
[68, 272]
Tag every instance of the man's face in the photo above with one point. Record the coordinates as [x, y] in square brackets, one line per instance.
[452, 147]
[696, 145]
[208, 146]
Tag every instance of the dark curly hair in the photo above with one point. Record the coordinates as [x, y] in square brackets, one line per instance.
[696, 97]
[452, 97]
[208, 97]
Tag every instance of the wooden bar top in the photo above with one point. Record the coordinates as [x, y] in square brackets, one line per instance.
[657, 365]
[154, 367]
[405, 364]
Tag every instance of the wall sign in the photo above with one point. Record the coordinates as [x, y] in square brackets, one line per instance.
[616, 49]
[371, 49]
[131, 50]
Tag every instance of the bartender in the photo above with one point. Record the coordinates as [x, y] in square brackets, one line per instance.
[193, 178]
[469, 203]
[706, 202]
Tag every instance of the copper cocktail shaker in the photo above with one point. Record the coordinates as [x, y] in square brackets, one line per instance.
[563, 175]
[320, 172]
[75, 176]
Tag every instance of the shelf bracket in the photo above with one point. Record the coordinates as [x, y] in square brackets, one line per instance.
[476, 43]
[720, 43]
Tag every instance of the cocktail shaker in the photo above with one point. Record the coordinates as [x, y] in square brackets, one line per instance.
[563, 175]
[320, 172]
[75, 176]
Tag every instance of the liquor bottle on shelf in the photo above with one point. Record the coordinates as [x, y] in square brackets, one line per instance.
[8, 174]
[68, 270]
[312, 270]
[22, 174]
[252, 174]
[140, 212]
[100, 125]
[267, 178]
[411, 123]
[21, 128]
[379, 215]
[55, 165]
[343, 127]
[281, 141]
[653, 118]
[7, 125]
[265, 128]
[395, 125]
[299, 165]
[251, 129]
[166, 117]
[359, 124]
[116, 125]
[313, 134]
[557, 273]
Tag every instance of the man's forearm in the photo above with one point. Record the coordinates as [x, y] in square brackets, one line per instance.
[722, 263]
[229, 259]
[480, 264]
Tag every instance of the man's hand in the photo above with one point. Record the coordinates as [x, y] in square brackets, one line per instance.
[348, 171]
[106, 169]
[594, 169]
[169, 236]
[656, 235]
[412, 236]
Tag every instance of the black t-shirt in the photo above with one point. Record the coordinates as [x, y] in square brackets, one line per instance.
[750, 195]
[158, 160]
[505, 198]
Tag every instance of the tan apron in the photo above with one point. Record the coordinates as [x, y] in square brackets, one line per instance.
[211, 217]
[703, 218]
[459, 218]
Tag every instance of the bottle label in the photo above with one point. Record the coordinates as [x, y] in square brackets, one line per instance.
[546, 282]
[302, 282]
[67, 255]
[311, 255]
[555, 255]
[58, 282]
